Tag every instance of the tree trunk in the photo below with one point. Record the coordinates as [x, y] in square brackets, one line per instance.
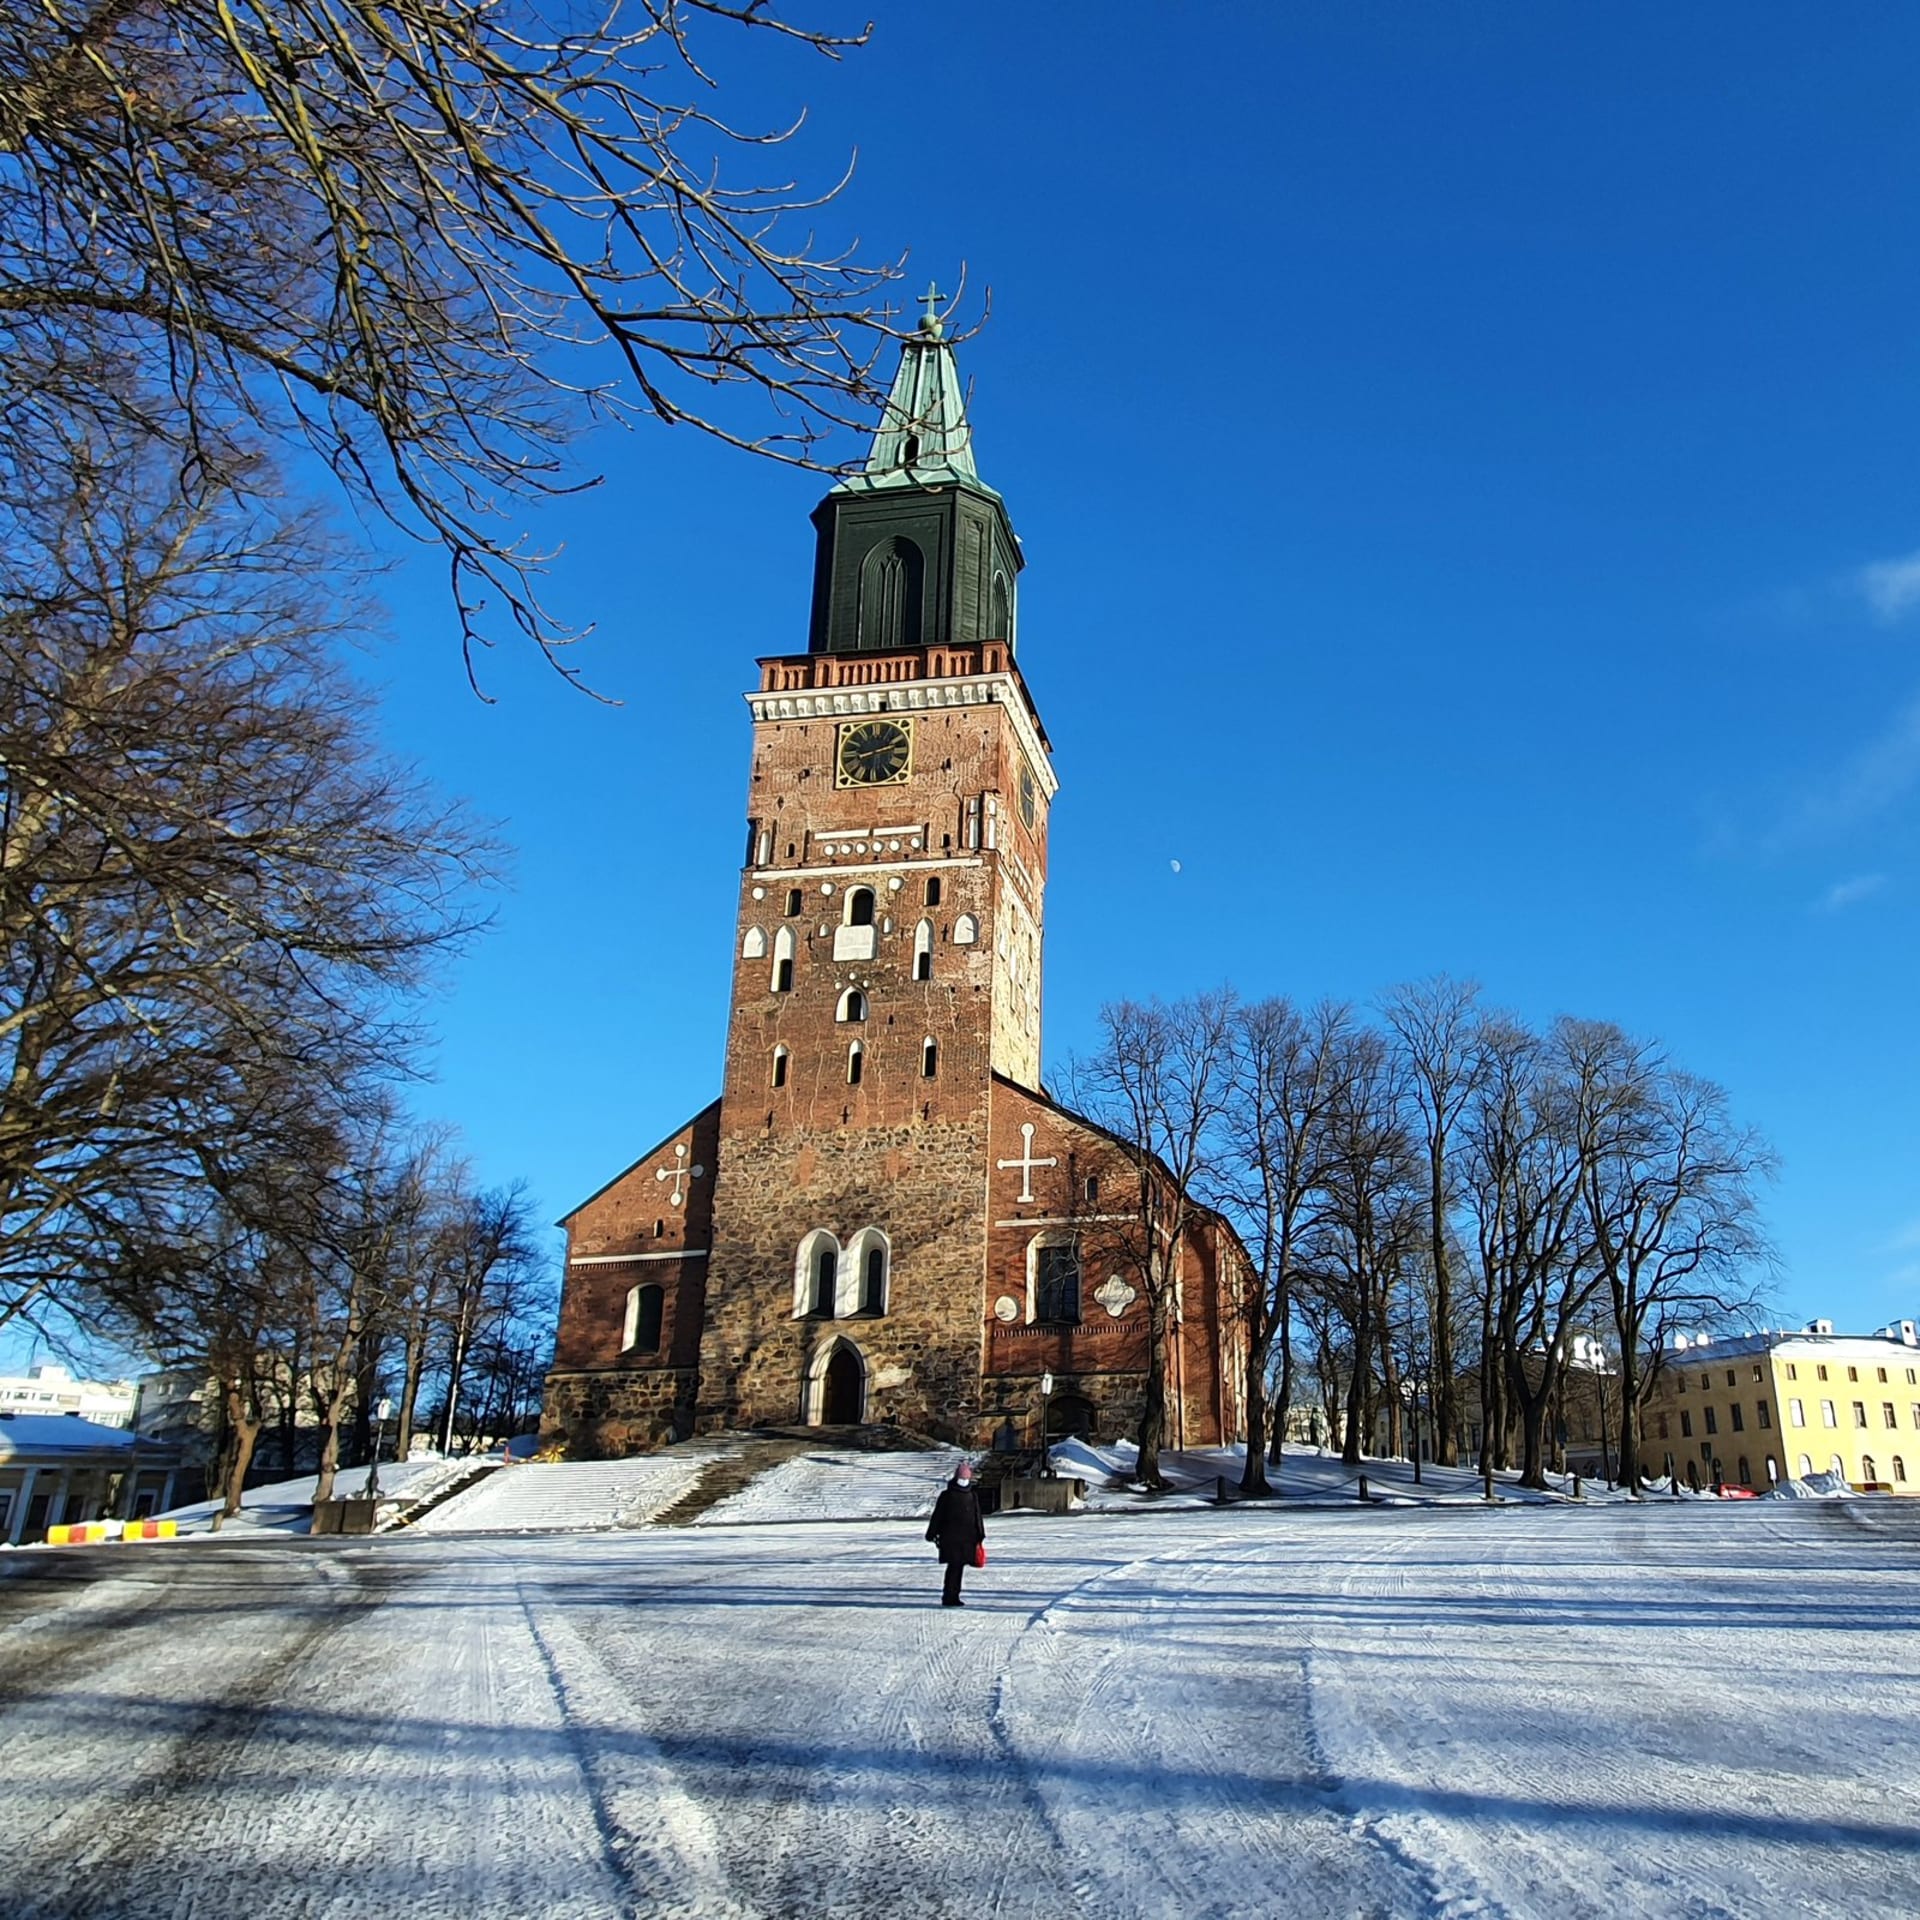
[413, 1360]
[1253, 1475]
[1153, 1404]
[1446, 1444]
[1277, 1445]
[243, 1430]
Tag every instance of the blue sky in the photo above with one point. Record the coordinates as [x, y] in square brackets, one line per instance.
[1466, 462]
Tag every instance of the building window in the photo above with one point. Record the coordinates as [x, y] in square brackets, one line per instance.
[856, 1061]
[1739, 1425]
[1761, 1412]
[779, 1066]
[1883, 1376]
[1887, 1415]
[660, 1229]
[890, 595]
[1828, 1418]
[1859, 1413]
[1663, 1426]
[966, 930]
[1806, 1467]
[1706, 1383]
[1686, 1425]
[1853, 1373]
[1730, 1379]
[1055, 1279]
[1821, 1371]
[814, 1273]
[853, 1005]
[1797, 1412]
[1681, 1379]
[1758, 1374]
[794, 901]
[933, 890]
[1093, 1189]
[646, 1308]
[929, 1058]
[1793, 1372]
[923, 951]
[783, 961]
[1899, 1471]
[859, 910]
[1713, 1421]
[1868, 1472]
[754, 946]
[1746, 1478]
[873, 1281]
[1914, 1411]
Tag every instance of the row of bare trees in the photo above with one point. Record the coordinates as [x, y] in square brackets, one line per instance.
[1437, 1204]
[219, 901]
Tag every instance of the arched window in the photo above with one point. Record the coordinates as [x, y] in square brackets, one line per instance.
[816, 1271]
[659, 1229]
[1899, 1471]
[910, 449]
[1093, 1190]
[891, 582]
[853, 1005]
[1053, 1280]
[779, 1066]
[1806, 1467]
[966, 930]
[793, 902]
[923, 951]
[859, 907]
[933, 890]
[783, 961]
[646, 1308]
[856, 1060]
[869, 1264]
[1746, 1478]
[929, 1058]
[1868, 1474]
[754, 946]
[1000, 614]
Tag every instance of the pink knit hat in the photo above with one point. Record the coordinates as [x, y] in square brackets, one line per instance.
[964, 1471]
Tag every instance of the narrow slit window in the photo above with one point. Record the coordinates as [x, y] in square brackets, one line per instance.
[856, 1060]
[933, 890]
[929, 1059]
[779, 1066]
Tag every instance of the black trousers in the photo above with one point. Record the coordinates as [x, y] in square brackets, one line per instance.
[950, 1593]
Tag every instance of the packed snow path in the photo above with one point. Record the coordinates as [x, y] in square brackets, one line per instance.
[1676, 1709]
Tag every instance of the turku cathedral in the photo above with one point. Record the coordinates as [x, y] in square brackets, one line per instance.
[883, 1217]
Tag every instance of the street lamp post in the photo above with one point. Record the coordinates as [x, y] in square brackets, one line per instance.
[1046, 1437]
[380, 1417]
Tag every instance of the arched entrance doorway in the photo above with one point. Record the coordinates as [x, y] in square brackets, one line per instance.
[843, 1389]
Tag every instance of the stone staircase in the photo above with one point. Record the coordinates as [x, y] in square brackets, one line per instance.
[570, 1496]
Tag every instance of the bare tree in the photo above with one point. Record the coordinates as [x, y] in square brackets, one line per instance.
[426, 238]
[1160, 1083]
[1669, 1189]
[1436, 1026]
[1285, 1065]
[213, 890]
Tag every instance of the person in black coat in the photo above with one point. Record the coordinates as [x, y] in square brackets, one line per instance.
[957, 1529]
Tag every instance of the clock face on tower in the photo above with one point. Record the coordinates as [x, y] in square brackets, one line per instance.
[874, 753]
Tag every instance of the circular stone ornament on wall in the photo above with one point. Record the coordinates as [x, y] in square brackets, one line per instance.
[1006, 1309]
[1115, 1295]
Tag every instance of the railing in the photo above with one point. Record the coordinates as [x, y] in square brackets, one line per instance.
[806, 672]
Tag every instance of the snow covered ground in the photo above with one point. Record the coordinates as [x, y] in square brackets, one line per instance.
[1675, 1708]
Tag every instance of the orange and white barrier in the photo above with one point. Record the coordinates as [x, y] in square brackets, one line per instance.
[98, 1533]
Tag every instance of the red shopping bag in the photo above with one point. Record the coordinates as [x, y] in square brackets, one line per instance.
[980, 1554]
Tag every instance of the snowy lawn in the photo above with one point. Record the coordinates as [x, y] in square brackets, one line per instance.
[1681, 1708]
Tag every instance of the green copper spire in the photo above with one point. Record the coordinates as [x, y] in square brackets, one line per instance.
[923, 439]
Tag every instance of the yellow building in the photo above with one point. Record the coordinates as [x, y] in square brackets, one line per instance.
[1755, 1409]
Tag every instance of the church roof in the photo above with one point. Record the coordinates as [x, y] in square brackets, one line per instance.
[924, 439]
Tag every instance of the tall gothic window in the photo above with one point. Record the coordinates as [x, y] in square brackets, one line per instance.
[891, 589]
[1000, 617]
[860, 907]
[783, 961]
[923, 951]
[820, 1300]
[853, 1005]
[1056, 1282]
[646, 1308]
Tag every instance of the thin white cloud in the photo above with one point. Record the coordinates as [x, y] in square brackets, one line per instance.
[1891, 587]
[1849, 893]
[1872, 779]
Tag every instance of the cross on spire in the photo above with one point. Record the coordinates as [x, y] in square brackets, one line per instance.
[930, 319]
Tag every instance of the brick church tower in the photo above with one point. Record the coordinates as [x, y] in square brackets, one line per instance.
[883, 1217]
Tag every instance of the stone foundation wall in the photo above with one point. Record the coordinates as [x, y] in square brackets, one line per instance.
[607, 1416]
